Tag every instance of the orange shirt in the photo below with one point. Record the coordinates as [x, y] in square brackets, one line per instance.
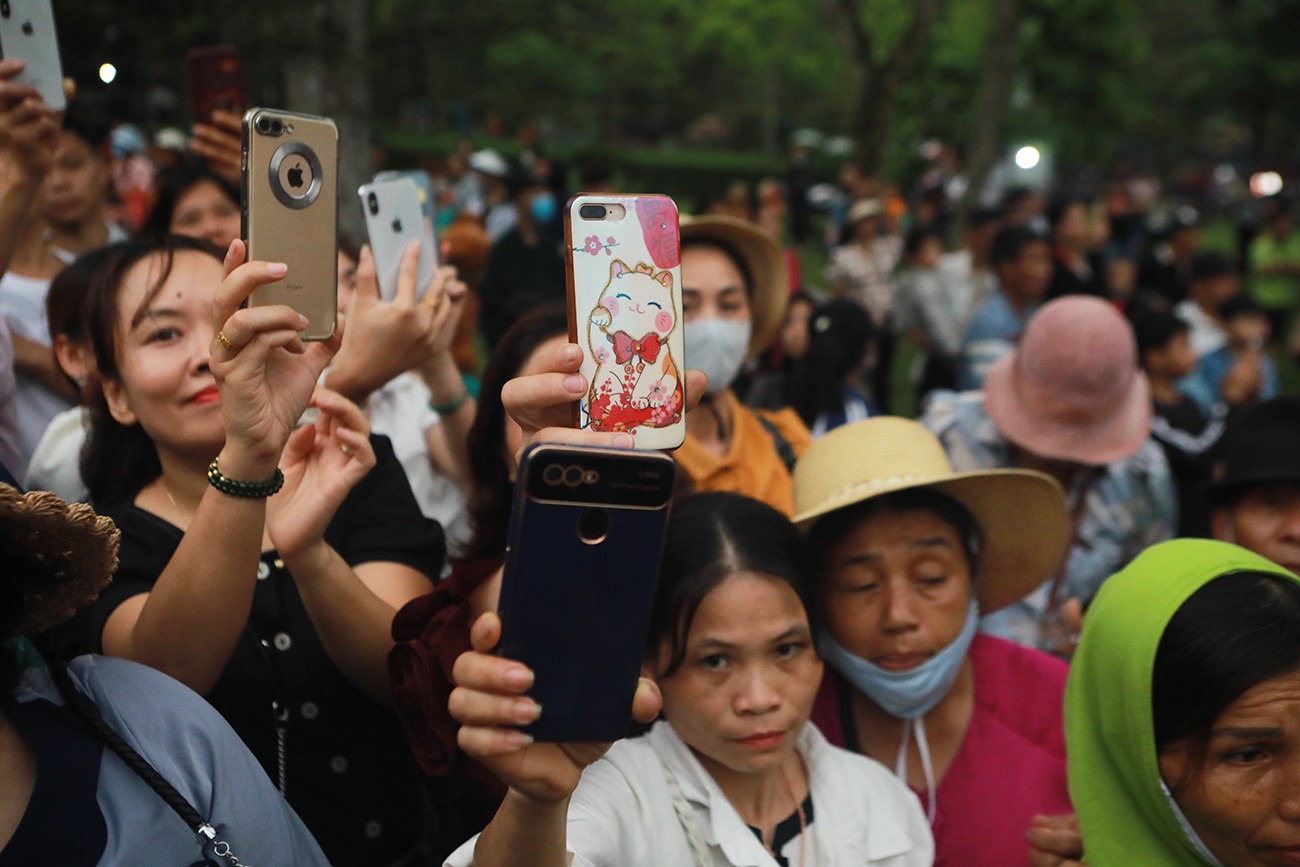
[752, 465]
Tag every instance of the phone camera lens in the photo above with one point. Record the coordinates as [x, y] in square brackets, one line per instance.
[592, 212]
[373, 201]
[4, 8]
[276, 127]
[263, 125]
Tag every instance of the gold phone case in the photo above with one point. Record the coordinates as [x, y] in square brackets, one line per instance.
[290, 211]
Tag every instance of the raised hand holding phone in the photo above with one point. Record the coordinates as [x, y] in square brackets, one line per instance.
[27, 34]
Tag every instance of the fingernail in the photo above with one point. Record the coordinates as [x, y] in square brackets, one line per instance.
[519, 740]
[574, 382]
[302, 321]
[521, 678]
[277, 269]
[526, 710]
[623, 441]
[572, 353]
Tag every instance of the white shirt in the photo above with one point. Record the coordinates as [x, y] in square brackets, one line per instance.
[1204, 333]
[622, 815]
[56, 463]
[11, 452]
[22, 303]
[399, 409]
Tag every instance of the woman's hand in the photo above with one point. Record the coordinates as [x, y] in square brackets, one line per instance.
[540, 399]
[1055, 841]
[385, 338]
[322, 462]
[265, 371]
[29, 129]
[220, 143]
[490, 700]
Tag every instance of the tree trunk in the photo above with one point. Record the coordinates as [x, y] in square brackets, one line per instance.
[325, 72]
[991, 101]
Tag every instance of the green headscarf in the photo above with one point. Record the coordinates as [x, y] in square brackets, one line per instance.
[1114, 772]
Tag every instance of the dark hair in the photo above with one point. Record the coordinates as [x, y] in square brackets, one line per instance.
[916, 237]
[1058, 208]
[88, 127]
[21, 569]
[1237, 631]
[981, 217]
[1241, 304]
[174, 184]
[840, 334]
[118, 460]
[1008, 244]
[832, 529]
[349, 247]
[489, 499]
[711, 537]
[727, 250]
[1207, 266]
[65, 303]
[1155, 328]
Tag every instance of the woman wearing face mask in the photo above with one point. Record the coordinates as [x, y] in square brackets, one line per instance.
[734, 294]
[1183, 710]
[733, 774]
[908, 555]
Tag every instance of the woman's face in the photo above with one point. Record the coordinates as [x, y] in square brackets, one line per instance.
[204, 211]
[1243, 799]
[794, 334]
[712, 286]
[164, 380]
[897, 588]
[748, 678]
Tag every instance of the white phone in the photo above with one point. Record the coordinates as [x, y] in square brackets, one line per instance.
[27, 34]
[393, 220]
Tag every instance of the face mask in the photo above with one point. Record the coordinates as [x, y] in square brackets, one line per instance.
[908, 694]
[718, 347]
[542, 207]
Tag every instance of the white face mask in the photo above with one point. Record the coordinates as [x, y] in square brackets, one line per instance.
[719, 348]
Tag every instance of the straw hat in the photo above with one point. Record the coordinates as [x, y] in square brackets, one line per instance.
[762, 256]
[1022, 517]
[1072, 390]
[70, 555]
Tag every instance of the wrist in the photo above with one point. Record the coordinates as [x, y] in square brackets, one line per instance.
[307, 560]
[247, 464]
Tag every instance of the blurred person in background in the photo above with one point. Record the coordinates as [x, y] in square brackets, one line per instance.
[932, 308]
[1274, 260]
[1166, 270]
[196, 201]
[1076, 267]
[828, 389]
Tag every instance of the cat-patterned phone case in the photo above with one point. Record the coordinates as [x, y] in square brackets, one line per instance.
[624, 274]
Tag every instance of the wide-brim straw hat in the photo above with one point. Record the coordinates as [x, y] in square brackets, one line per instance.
[73, 554]
[1023, 521]
[1072, 390]
[770, 293]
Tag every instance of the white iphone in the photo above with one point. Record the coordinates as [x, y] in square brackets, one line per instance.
[394, 219]
[27, 34]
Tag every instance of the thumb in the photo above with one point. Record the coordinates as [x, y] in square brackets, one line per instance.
[647, 702]
[485, 633]
[367, 292]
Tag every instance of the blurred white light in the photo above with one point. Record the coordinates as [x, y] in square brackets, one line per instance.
[107, 72]
[1264, 184]
[1027, 157]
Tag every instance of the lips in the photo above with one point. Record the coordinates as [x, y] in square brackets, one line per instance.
[901, 661]
[207, 395]
[762, 740]
[1286, 856]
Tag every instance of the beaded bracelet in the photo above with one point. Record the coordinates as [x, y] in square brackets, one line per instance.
[449, 408]
[236, 488]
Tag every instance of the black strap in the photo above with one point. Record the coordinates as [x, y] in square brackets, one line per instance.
[81, 705]
[784, 450]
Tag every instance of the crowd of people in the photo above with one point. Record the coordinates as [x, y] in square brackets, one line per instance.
[253, 582]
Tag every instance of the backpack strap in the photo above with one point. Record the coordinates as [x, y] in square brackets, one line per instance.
[784, 450]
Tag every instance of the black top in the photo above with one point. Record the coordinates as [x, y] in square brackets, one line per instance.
[62, 823]
[348, 772]
[1189, 439]
[788, 829]
[519, 277]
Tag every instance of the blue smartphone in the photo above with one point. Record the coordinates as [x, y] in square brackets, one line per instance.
[585, 542]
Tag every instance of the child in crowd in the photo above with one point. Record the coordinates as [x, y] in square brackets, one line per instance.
[1241, 371]
[931, 308]
[1185, 431]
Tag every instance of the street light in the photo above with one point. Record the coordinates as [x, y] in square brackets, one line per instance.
[1027, 157]
[107, 72]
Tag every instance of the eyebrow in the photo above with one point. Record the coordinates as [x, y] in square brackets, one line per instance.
[718, 644]
[155, 313]
[725, 290]
[874, 557]
[1247, 733]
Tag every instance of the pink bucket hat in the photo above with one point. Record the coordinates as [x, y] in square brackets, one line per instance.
[1072, 389]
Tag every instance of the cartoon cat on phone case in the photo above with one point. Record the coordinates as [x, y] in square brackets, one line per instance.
[637, 383]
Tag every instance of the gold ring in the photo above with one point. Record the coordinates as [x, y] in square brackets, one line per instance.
[225, 341]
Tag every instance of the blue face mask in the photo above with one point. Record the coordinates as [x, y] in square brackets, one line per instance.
[908, 694]
[543, 208]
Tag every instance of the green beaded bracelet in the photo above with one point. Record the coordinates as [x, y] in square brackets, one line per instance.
[449, 408]
[236, 488]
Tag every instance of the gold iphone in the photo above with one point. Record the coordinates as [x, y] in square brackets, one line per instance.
[290, 211]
